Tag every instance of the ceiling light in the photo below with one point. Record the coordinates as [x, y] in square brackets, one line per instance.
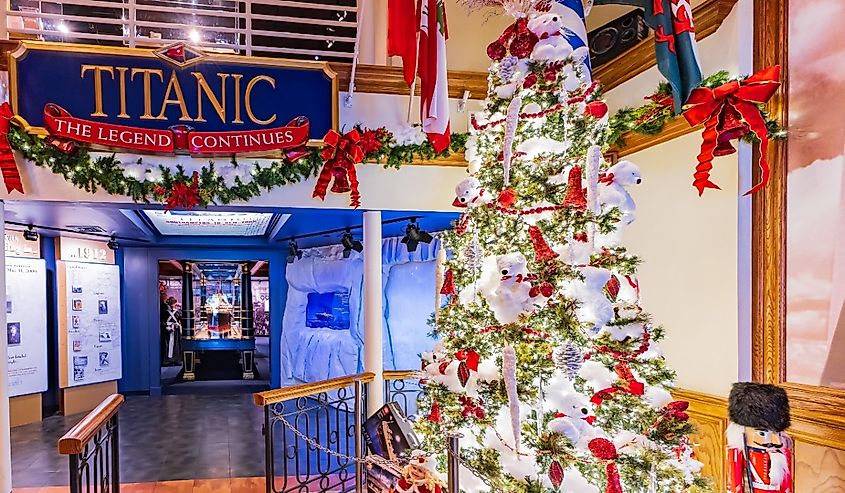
[294, 252]
[62, 28]
[30, 234]
[113, 244]
[349, 243]
[414, 236]
[194, 36]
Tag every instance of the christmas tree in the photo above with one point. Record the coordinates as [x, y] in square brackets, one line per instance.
[548, 368]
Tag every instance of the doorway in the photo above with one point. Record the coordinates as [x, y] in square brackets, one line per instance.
[214, 326]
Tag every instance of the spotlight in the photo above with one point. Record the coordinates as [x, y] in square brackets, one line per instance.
[62, 28]
[30, 234]
[294, 252]
[113, 244]
[349, 243]
[414, 236]
[194, 36]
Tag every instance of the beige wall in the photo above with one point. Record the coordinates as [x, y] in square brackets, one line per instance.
[688, 278]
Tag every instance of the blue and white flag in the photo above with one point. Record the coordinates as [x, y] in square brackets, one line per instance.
[572, 13]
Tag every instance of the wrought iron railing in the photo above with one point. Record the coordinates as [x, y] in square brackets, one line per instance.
[313, 435]
[321, 29]
[403, 387]
[93, 450]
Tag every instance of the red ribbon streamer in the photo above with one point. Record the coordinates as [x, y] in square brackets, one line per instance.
[603, 449]
[341, 154]
[11, 176]
[729, 112]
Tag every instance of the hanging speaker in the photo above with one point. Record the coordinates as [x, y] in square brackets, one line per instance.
[616, 37]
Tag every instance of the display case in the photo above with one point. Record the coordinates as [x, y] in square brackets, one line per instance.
[217, 312]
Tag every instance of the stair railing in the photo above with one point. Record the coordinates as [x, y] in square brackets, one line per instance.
[313, 435]
[93, 449]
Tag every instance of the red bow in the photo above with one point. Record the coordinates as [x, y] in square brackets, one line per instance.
[341, 154]
[729, 112]
[606, 178]
[631, 386]
[11, 176]
[545, 289]
[603, 449]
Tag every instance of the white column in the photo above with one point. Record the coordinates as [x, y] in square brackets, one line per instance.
[373, 312]
[5, 438]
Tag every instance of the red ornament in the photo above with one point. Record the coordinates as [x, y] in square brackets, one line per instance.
[556, 474]
[341, 154]
[434, 414]
[612, 287]
[529, 81]
[507, 197]
[603, 449]
[11, 176]
[542, 251]
[596, 109]
[461, 224]
[728, 112]
[448, 283]
[545, 289]
[516, 39]
[576, 195]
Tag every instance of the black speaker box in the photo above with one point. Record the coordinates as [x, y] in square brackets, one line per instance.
[616, 37]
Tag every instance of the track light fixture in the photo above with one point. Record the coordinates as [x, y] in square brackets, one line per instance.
[113, 244]
[294, 252]
[414, 236]
[30, 234]
[350, 243]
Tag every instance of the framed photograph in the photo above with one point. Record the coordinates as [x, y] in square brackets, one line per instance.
[13, 333]
[75, 321]
[76, 289]
[798, 223]
[76, 305]
[8, 305]
[77, 346]
[103, 307]
[105, 334]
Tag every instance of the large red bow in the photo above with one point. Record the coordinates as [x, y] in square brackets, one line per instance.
[11, 176]
[729, 112]
[181, 195]
[341, 154]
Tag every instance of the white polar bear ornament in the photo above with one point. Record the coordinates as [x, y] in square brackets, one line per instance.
[469, 193]
[552, 45]
[574, 418]
[510, 296]
[613, 189]
[593, 306]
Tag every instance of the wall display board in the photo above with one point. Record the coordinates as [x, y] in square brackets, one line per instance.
[89, 323]
[26, 325]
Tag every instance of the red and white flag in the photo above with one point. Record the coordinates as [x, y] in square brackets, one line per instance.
[434, 93]
[402, 25]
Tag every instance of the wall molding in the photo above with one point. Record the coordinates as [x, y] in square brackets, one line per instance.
[708, 18]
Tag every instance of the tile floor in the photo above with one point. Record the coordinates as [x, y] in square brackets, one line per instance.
[163, 440]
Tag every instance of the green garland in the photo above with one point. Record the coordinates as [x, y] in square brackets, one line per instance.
[650, 118]
[106, 172]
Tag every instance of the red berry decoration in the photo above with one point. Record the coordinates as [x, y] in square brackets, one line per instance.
[530, 81]
[507, 197]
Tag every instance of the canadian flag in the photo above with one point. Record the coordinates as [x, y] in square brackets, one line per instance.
[434, 93]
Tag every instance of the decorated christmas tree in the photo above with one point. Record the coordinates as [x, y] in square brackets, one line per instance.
[548, 367]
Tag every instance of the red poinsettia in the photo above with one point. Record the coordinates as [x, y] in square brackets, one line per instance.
[181, 195]
[371, 140]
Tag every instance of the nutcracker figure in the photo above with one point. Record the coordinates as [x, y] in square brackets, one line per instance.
[759, 452]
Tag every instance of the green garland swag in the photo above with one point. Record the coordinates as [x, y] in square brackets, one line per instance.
[106, 172]
[208, 187]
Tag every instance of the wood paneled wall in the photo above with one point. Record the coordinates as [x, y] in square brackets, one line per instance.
[710, 415]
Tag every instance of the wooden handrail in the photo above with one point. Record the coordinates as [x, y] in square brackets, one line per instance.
[399, 374]
[305, 389]
[73, 442]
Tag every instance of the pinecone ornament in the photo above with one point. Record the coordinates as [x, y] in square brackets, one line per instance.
[570, 360]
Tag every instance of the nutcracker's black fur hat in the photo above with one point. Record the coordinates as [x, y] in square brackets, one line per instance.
[759, 405]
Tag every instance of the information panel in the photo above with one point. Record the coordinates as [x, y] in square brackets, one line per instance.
[26, 325]
[89, 323]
